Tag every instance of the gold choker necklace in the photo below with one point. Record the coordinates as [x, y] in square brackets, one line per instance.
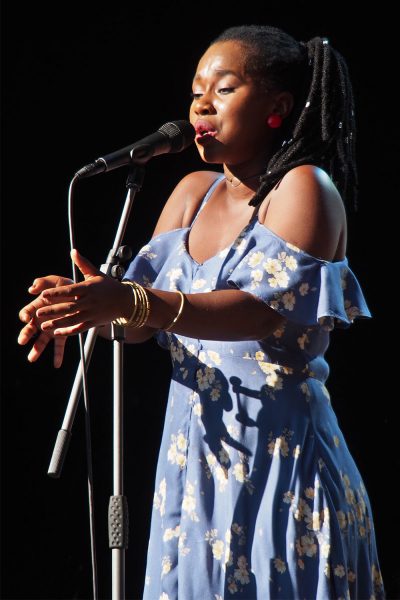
[241, 180]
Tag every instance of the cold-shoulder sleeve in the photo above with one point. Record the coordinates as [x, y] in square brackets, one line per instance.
[157, 265]
[302, 288]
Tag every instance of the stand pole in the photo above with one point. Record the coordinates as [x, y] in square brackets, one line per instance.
[118, 506]
[118, 520]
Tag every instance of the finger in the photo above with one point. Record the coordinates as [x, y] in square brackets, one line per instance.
[59, 346]
[67, 321]
[42, 283]
[65, 292]
[27, 333]
[57, 310]
[80, 328]
[38, 347]
[84, 265]
[29, 311]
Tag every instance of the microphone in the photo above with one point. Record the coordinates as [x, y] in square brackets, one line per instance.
[173, 136]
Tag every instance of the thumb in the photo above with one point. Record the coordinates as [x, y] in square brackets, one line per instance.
[84, 265]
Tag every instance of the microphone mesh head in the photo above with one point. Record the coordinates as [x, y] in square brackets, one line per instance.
[180, 134]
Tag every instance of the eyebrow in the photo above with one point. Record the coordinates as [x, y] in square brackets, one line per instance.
[220, 72]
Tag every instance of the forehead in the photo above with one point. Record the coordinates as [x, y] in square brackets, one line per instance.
[221, 57]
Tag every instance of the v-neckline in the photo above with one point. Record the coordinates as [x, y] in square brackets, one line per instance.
[225, 251]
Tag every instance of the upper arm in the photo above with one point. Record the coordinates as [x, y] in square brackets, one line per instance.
[307, 211]
[182, 204]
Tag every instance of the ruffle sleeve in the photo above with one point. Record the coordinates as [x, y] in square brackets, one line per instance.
[304, 289]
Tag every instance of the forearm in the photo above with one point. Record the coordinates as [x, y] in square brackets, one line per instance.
[225, 315]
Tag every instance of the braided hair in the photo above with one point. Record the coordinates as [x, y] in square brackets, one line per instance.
[321, 128]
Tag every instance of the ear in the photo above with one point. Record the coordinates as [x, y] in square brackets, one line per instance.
[283, 103]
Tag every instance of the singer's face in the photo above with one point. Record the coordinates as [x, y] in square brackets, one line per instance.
[229, 108]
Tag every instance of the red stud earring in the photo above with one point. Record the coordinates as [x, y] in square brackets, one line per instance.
[274, 121]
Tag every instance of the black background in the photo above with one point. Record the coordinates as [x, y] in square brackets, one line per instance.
[82, 80]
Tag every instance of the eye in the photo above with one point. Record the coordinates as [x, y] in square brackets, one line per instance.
[226, 90]
[195, 95]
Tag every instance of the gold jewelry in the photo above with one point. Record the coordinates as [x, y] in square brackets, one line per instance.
[141, 307]
[230, 179]
[179, 311]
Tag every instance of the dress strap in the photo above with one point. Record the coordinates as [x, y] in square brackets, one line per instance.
[207, 196]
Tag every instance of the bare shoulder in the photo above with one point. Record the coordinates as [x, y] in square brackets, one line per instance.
[182, 204]
[306, 209]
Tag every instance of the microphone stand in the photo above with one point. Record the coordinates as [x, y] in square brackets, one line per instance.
[118, 507]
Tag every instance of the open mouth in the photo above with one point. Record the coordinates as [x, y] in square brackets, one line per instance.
[204, 130]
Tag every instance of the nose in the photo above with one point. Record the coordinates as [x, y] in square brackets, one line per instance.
[204, 105]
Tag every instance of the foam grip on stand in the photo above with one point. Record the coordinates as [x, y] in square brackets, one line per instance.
[59, 452]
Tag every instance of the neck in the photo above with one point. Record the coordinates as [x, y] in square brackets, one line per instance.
[235, 181]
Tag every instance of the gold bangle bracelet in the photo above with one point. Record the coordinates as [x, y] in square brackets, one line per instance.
[141, 307]
[179, 311]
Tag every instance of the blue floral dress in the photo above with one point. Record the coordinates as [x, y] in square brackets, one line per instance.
[257, 495]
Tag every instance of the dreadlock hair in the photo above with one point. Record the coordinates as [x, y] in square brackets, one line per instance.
[321, 127]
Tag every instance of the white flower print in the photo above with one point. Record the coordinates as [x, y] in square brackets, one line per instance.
[198, 409]
[218, 549]
[303, 340]
[174, 275]
[288, 497]
[308, 545]
[170, 533]
[146, 251]
[309, 493]
[164, 596]
[339, 571]
[177, 352]
[189, 502]
[175, 457]
[351, 576]
[255, 258]
[215, 394]
[304, 289]
[281, 279]
[351, 311]
[313, 521]
[291, 263]
[166, 565]
[280, 445]
[240, 245]
[215, 357]
[205, 377]
[256, 277]
[325, 549]
[224, 456]
[199, 283]
[240, 472]
[159, 498]
[289, 300]
[272, 266]
[279, 565]
[274, 381]
[183, 550]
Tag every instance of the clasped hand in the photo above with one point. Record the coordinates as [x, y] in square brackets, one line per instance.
[63, 308]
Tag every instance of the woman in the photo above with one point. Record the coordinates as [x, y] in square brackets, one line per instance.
[256, 494]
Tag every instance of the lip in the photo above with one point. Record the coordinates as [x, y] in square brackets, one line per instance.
[204, 127]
